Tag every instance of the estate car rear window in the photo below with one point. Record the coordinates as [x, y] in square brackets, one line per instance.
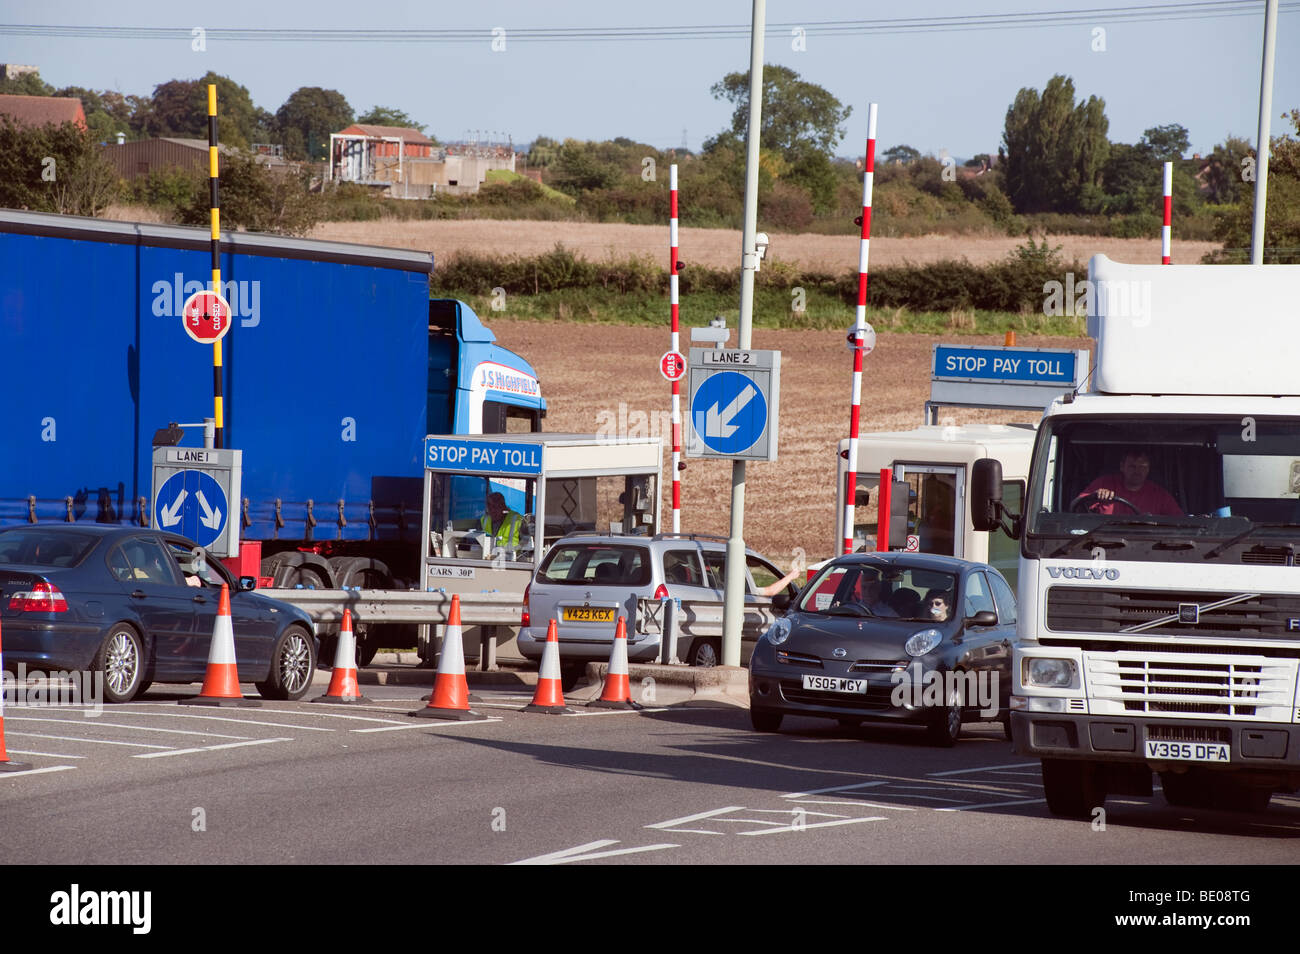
[596, 564]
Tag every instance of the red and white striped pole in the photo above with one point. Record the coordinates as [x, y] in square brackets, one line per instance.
[1169, 213]
[676, 347]
[859, 330]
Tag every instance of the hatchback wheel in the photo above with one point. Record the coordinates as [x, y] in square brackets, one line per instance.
[764, 721]
[945, 722]
[292, 664]
[121, 660]
[704, 653]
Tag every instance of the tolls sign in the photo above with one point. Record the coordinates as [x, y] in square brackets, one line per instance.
[206, 317]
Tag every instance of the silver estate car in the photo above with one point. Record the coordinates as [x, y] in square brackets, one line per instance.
[587, 581]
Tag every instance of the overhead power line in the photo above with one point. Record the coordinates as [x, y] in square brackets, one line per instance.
[1038, 19]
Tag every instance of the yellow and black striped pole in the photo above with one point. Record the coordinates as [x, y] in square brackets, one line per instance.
[218, 410]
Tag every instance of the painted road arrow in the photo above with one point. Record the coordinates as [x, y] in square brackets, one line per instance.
[719, 424]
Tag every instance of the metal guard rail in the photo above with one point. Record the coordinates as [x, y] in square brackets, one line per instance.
[401, 606]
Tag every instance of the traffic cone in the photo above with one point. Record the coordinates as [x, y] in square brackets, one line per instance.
[617, 693]
[5, 764]
[549, 697]
[343, 678]
[221, 682]
[450, 698]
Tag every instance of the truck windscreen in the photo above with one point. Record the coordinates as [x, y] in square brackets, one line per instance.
[1183, 483]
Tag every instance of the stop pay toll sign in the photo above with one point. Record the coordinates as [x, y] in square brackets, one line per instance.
[672, 365]
[206, 317]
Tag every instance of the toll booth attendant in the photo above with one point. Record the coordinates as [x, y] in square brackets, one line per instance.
[501, 523]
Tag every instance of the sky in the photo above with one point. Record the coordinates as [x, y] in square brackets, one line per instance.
[937, 90]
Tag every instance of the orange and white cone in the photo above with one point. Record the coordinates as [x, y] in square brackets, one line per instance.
[343, 678]
[549, 697]
[617, 693]
[450, 699]
[221, 681]
[5, 764]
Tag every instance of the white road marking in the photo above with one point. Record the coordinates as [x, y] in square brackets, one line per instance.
[690, 818]
[612, 712]
[215, 718]
[588, 852]
[831, 801]
[805, 827]
[39, 771]
[73, 738]
[47, 755]
[835, 788]
[982, 768]
[207, 748]
[429, 724]
[134, 728]
[340, 715]
[967, 808]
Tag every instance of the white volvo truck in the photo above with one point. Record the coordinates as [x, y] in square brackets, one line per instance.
[1159, 595]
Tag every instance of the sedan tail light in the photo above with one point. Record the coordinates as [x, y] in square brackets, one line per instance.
[523, 616]
[41, 598]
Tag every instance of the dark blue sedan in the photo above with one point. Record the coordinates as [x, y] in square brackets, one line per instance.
[890, 638]
[139, 606]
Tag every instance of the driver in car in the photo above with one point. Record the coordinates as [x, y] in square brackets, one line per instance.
[1131, 486]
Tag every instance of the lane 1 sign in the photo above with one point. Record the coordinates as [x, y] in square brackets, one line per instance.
[672, 365]
[206, 317]
[192, 504]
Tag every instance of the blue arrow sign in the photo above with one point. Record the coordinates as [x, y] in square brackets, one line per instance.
[729, 412]
[192, 504]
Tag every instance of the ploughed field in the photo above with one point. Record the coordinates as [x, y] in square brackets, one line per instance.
[720, 248]
[605, 379]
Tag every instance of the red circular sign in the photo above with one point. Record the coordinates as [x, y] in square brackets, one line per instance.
[206, 317]
[672, 365]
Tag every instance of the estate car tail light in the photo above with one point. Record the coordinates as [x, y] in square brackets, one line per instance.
[661, 592]
[41, 598]
[523, 617]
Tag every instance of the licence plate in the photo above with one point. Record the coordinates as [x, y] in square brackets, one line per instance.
[835, 684]
[588, 614]
[1189, 751]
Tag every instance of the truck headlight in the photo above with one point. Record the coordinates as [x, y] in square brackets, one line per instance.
[921, 643]
[1048, 673]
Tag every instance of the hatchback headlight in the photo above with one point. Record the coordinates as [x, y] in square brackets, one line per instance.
[779, 631]
[1049, 673]
[921, 643]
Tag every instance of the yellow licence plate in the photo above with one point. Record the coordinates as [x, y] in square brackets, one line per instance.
[588, 614]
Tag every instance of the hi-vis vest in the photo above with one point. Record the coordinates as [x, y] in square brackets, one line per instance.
[507, 534]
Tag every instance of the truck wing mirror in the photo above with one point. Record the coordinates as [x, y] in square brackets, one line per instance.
[986, 494]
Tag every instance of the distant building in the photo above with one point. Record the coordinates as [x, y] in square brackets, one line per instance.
[11, 71]
[36, 111]
[407, 165]
[139, 158]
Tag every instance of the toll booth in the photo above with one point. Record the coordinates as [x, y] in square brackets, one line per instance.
[551, 485]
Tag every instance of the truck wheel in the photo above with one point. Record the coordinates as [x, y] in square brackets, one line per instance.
[1185, 790]
[1235, 796]
[293, 662]
[1073, 788]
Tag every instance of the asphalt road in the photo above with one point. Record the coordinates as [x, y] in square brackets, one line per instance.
[154, 782]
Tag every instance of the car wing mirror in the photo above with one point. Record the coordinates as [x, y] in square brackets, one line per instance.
[781, 604]
[247, 583]
[983, 618]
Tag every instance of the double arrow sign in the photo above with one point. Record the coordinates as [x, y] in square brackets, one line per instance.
[170, 516]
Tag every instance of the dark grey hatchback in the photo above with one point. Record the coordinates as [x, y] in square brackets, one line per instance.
[890, 638]
[139, 606]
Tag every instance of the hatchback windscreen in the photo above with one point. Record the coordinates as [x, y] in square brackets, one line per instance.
[596, 564]
[888, 593]
[38, 547]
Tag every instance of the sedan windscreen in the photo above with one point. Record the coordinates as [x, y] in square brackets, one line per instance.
[38, 546]
[893, 593]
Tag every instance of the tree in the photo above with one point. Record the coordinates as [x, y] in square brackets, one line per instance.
[257, 198]
[28, 84]
[902, 153]
[1054, 148]
[307, 118]
[800, 123]
[1282, 210]
[53, 169]
[388, 116]
[1165, 143]
[1223, 170]
[180, 108]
